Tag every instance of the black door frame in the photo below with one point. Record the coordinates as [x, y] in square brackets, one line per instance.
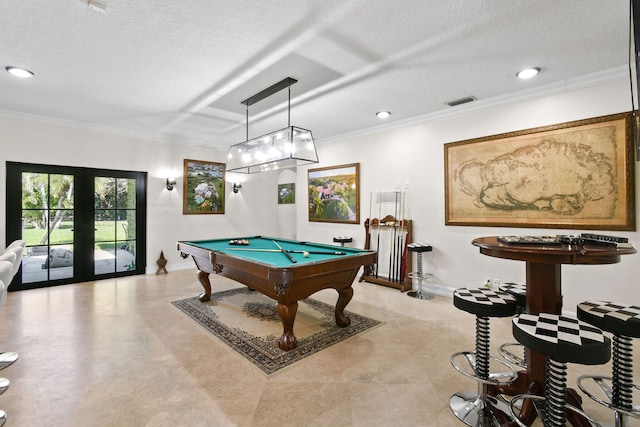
[84, 208]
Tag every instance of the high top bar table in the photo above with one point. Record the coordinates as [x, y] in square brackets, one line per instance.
[544, 286]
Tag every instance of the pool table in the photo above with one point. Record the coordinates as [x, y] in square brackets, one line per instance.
[287, 276]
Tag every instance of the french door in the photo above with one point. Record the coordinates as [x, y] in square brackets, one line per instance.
[80, 224]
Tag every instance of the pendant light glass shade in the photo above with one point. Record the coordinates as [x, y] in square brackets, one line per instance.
[284, 148]
[288, 147]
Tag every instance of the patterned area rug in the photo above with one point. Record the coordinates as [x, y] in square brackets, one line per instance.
[248, 322]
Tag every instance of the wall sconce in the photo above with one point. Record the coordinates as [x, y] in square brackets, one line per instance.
[170, 183]
[236, 187]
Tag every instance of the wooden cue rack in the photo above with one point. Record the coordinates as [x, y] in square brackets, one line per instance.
[398, 259]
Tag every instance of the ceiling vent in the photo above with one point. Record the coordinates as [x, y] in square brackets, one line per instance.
[461, 101]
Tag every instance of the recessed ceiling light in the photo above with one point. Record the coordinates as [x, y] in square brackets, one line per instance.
[527, 73]
[383, 114]
[20, 72]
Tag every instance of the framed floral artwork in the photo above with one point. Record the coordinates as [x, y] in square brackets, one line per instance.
[204, 190]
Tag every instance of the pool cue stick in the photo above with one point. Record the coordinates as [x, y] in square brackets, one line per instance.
[390, 251]
[403, 265]
[379, 259]
[398, 256]
[292, 259]
[377, 246]
[395, 230]
[289, 251]
[254, 250]
[400, 240]
[316, 252]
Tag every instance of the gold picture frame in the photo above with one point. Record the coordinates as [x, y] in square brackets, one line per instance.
[203, 187]
[576, 175]
[334, 194]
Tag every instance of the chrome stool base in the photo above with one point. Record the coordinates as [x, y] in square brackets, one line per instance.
[539, 404]
[476, 411]
[7, 358]
[419, 294]
[3, 417]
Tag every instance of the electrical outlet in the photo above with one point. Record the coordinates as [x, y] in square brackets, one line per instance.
[495, 283]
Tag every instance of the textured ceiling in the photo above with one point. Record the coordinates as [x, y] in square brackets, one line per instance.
[178, 70]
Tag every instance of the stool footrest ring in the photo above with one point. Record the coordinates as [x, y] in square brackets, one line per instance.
[606, 387]
[511, 357]
[539, 402]
[500, 378]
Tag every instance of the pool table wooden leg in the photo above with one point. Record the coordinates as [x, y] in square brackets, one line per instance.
[344, 296]
[203, 277]
[287, 314]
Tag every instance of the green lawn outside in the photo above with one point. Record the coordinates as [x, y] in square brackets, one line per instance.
[105, 231]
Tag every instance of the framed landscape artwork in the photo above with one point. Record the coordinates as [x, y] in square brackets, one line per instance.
[577, 175]
[286, 194]
[334, 194]
[203, 191]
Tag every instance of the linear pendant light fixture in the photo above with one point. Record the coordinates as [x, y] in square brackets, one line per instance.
[283, 148]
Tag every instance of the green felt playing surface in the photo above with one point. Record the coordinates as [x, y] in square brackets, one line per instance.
[277, 259]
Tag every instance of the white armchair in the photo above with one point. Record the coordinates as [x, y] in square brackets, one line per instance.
[13, 255]
[16, 247]
[3, 414]
[6, 275]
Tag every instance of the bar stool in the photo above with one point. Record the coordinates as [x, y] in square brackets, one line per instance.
[480, 409]
[519, 292]
[13, 254]
[419, 248]
[342, 240]
[562, 340]
[623, 321]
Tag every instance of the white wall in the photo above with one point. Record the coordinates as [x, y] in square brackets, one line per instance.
[287, 212]
[415, 153]
[36, 141]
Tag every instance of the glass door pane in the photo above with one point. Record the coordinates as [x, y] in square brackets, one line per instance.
[80, 224]
[47, 226]
[115, 225]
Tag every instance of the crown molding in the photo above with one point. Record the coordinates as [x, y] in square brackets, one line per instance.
[582, 82]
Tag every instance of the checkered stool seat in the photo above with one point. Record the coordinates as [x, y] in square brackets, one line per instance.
[479, 408]
[485, 302]
[518, 291]
[619, 319]
[616, 391]
[562, 340]
[343, 239]
[419, 247]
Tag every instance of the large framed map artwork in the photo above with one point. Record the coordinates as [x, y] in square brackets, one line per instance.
[577, 175]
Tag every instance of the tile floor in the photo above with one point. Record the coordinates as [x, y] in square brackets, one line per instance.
[116, 353]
